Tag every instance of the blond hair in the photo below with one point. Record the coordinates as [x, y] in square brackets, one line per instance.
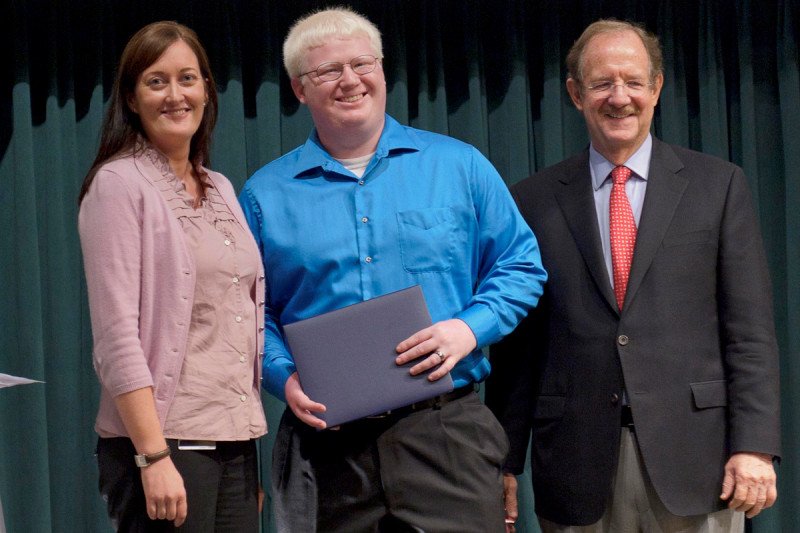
[318, 28]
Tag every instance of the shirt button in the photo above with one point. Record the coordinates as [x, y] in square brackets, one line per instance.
[364, 220]
[623, 340]
[243, 398]
[236, 279]
[242, 358]
[238, 318]
[614, 398]
[227, 242]
[368, 259]
[361, 182]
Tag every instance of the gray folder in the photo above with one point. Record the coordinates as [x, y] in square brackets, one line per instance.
[345, 358]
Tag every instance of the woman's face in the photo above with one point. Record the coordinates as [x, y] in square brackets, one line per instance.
[170, 98]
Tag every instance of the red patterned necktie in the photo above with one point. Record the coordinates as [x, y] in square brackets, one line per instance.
[622, 227]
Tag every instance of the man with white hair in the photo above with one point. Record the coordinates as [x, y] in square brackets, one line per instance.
[364, 208]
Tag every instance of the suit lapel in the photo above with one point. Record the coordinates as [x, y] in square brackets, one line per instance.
[664, 190]
[574, 196]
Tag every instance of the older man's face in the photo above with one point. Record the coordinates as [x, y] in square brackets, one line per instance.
[352, 106]
[618, 118]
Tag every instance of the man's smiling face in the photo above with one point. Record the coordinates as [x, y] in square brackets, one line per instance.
[618, 119]
[353, 104]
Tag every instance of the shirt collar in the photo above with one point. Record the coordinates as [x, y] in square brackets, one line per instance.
[639, 163]
[393, 138]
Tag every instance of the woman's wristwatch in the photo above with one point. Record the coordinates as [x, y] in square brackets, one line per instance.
[146, 459]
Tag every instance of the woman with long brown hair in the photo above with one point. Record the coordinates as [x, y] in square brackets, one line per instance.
[175, 287]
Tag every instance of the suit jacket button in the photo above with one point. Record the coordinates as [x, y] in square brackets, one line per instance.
[623, 340]
[614, 398]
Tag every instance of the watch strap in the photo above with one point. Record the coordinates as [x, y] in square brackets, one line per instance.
[146, 459]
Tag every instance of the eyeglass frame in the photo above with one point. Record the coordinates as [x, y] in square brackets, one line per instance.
[596, 88]
[341, 72]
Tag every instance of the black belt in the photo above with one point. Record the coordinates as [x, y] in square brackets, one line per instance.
[431, 403]
[626, 418]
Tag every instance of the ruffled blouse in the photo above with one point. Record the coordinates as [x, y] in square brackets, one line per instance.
[214, 397]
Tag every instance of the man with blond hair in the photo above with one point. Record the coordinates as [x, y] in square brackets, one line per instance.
[366, 207]
[648, 374]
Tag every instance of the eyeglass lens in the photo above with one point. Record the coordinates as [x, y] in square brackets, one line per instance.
[333, 71]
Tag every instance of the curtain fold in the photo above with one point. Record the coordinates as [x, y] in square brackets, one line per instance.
[489, 73]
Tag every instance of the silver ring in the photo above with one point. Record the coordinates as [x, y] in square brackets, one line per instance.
[440, 355]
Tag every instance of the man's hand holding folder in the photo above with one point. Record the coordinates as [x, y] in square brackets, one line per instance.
[451, 338]
[349, 364]
[301, 405]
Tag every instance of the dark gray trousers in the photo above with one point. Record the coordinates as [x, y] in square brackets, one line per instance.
[437, 470]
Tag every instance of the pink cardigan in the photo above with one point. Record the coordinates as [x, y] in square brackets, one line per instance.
[140, 277]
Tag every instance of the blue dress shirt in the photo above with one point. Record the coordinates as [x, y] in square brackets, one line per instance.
[429, 210]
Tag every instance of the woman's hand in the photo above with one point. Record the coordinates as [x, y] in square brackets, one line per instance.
[164, 492]
[163, 486]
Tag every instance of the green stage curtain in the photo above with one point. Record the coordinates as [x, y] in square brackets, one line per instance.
[488, 72]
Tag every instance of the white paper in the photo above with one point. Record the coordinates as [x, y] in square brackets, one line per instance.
[10, 381]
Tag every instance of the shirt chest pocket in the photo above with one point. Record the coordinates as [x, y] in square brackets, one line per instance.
[427, 239]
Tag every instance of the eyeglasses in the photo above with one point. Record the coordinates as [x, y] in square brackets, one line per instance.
[332, 71]
[631, 87]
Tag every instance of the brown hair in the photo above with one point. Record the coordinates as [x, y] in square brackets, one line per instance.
[121, 126]
[650, 41]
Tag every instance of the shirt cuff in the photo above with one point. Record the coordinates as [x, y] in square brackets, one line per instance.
[275, 377]
[482, 322]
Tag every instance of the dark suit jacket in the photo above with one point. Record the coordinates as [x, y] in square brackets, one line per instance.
[694, 347]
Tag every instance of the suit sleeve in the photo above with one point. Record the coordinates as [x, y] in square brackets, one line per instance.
[747, 328]
[510, 387]
[510, 391]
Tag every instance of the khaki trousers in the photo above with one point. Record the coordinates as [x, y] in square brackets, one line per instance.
[635, 507]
